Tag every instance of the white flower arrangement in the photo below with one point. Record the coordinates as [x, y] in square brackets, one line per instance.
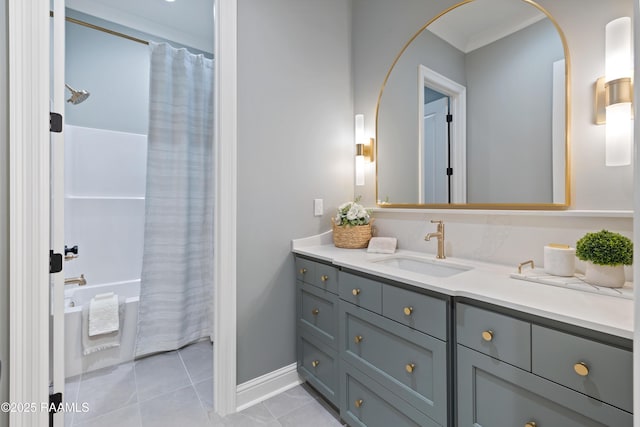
[352, 213]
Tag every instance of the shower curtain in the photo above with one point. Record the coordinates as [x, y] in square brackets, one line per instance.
[177, 277]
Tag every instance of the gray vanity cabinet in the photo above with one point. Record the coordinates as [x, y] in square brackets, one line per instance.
[394, 364]
[366, 403]
[317, 314]
[537, 389]
[388, 354]
[410, 364]
[605, 371]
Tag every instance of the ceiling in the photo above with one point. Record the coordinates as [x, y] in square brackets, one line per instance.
[482, 22]
[188, 22]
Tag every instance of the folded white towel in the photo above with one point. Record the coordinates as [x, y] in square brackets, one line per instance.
[99, 342]
[103, 314]
[382, 245]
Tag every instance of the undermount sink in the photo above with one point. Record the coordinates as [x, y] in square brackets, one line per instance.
[429, 267]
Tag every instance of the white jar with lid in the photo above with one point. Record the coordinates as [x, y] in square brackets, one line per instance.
[559, 260]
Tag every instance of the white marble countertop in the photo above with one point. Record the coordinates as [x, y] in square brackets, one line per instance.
[490, 283]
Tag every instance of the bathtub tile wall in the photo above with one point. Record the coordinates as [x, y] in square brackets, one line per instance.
[105, 175]
[109, 234]
[104, 163]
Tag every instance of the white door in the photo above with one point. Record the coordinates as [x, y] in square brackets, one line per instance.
[56, 319]
[435, 152]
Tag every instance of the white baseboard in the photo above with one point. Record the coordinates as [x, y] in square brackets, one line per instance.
[268, 385]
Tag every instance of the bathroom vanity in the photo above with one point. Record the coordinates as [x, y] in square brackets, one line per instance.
[407, 340]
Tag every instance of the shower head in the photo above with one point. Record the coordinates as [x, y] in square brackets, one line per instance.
[77, 96]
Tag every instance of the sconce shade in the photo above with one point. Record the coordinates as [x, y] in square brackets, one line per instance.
[618, 55]
[618, 134]
[359, 137]
[618, 87]
[359, 170]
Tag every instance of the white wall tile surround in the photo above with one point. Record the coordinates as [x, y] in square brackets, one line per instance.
[105, 173]
[501, 237]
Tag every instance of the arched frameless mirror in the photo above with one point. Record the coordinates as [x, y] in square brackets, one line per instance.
[473, 112]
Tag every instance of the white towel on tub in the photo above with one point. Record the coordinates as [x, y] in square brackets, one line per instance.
[91, 344]
[103, 314]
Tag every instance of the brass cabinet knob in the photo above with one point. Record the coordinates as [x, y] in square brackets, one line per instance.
[358, 339]
[581, 369]
[324, 278]
[359, 403]
[315, 311]
[303, 271]
[407, 311]
[410, 367]
[315, 363]
[355, 292]
[487, 336]
[530, 424]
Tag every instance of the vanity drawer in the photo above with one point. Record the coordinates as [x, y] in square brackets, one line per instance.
[365, 403]
[305, 269]
[595, 369]
[318, 365]
[326, 277]
[361, 291]
[497, 335]
[496, 394]
[317, 274]
[318, 313]
[418, 311]
[411, 364]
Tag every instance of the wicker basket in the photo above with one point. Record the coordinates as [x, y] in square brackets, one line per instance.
[351, 236]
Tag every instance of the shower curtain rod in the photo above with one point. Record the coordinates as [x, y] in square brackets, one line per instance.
[103, 29]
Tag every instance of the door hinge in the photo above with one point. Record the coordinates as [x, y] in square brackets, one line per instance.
[449, 171]
[55, 122]
[55, 262]
[55, 400]
[449, 118]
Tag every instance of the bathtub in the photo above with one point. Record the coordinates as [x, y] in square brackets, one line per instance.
[78, 296]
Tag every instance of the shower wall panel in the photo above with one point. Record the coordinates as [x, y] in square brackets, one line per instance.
[105, 174]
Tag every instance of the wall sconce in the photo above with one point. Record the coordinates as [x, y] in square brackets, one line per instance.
[364, 149]
[614, 93]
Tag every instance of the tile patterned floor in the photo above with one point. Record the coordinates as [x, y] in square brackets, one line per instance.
[175, 389]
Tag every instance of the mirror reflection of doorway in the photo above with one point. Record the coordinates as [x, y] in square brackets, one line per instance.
[442, 139]
[436, 154]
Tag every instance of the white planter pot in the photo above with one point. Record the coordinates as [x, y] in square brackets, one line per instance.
[605, 275]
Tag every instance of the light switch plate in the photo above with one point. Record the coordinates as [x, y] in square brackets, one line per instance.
[318, 208]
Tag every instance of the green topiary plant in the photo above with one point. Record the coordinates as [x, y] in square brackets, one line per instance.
[605, 248]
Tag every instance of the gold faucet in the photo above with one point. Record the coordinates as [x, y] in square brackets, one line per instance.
[80, 281]
[440, 235]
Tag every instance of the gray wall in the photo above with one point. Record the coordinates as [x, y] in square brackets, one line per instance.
[399, 147]
[514, 164]
[116, 73]
[4, 216]
[114, 70]
[380, 30]
[295, 143]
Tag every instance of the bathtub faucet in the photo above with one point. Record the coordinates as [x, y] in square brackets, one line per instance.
[80, 281]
